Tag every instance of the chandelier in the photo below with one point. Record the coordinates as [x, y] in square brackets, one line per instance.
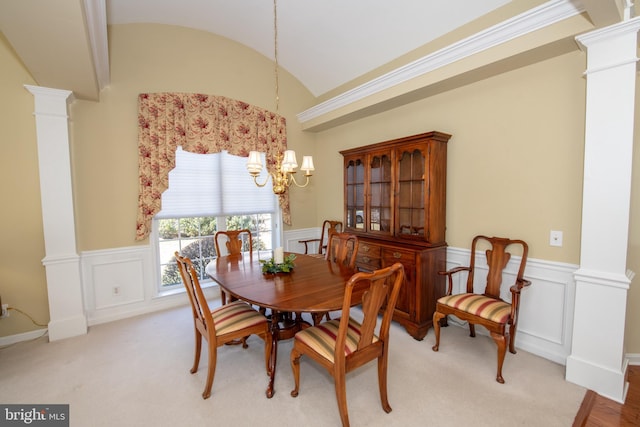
[286, 163]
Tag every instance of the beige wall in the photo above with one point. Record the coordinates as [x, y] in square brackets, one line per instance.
[515, 158]
[514, 168]
[158, 58]
[515, 161]
[22, 275]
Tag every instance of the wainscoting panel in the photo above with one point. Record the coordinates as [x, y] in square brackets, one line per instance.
[120, 283]
[291, 239]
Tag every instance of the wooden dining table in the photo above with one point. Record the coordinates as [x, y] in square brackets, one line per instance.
[315, 286]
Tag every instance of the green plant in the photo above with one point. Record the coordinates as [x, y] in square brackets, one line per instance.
[269, 266]
[200, 252]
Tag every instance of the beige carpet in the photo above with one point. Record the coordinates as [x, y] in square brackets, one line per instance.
[135, 372]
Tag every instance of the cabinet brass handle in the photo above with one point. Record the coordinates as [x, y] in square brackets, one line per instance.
[397, 255]
[366, 259]
[365, 248]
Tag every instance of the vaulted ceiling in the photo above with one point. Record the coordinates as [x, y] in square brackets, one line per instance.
[324, 44]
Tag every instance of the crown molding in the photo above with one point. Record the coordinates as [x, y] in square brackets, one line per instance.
[532, 20]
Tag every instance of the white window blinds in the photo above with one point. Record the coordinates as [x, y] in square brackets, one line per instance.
[214, 185]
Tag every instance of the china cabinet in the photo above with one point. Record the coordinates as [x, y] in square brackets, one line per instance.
[395, 202]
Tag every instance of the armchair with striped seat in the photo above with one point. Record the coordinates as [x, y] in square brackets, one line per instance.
[486, 307]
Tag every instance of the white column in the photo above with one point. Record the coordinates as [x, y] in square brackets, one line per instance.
[597, 359]
[62, 263]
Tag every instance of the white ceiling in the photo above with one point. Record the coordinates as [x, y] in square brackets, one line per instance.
[354, 36]
[323, 43]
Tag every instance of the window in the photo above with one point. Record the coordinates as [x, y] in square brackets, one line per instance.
[208, 193]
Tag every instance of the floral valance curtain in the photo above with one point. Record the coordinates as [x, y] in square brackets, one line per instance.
[199, 124]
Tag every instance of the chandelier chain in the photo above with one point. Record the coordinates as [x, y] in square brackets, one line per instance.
[275, 53]
[283, 175]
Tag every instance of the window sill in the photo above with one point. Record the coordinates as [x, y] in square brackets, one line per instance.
[182, 290]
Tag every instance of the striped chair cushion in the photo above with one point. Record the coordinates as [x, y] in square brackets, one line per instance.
[235, 316]
[479, 305]
[322, 338]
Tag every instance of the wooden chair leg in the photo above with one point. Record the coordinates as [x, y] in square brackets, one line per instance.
[501, 341]
[512, 336]
[210, 372]
[472, 330]
[268, 346]
[341, 397]
[317, 318]
[196, 360]
[382, 383]
[295, 367]
[436, 328]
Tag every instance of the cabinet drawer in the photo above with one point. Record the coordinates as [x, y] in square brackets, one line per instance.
[369, 250]
[368, 257]
[393, 255]
[367, 263]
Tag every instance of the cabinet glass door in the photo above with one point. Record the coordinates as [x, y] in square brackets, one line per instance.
[411, 186]
[380, 193]
[354, 194]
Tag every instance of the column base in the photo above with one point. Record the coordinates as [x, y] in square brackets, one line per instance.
[607, 382]
[67, 328]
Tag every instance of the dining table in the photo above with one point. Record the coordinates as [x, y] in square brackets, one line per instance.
[315, 286]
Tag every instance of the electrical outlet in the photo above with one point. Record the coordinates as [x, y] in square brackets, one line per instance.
[5, 311]
[555, 238]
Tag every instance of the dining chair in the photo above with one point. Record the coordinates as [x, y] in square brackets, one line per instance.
[227, 323]
[483, 305]
[236, 242]
[328, 226]
[345, 344]
[342, 249]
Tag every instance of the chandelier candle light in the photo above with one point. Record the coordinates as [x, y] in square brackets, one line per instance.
[283, 177]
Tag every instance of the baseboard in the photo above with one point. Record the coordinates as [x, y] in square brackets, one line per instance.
[26, 336]
[633, 358]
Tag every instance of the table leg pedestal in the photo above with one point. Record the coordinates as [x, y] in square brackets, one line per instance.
[273, 358]
[283, 327]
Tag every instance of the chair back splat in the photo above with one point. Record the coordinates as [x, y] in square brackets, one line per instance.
[235, 241]
[487, 307]
[235, 244]
[342, 248]
[345, 344]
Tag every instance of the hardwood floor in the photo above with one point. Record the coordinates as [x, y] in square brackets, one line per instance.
[597, 411]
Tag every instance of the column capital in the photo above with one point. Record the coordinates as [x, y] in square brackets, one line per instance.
[612, 31]
[50, 101]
